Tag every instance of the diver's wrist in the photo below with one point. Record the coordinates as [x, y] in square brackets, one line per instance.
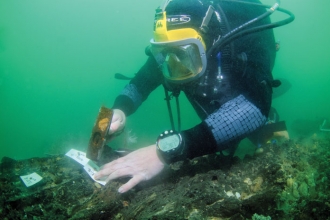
[199, 141]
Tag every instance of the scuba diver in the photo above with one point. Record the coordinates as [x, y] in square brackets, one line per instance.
[221, 55]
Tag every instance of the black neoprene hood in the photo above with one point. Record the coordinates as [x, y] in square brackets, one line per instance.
[190, 14]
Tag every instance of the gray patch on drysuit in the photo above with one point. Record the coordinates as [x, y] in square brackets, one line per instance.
[234, 119]
[131, 91]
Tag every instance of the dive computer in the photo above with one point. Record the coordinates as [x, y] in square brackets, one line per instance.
[170, 145]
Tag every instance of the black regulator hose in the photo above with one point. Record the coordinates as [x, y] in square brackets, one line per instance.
[242, 30]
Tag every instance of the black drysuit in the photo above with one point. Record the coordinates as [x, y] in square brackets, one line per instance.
[230, 109]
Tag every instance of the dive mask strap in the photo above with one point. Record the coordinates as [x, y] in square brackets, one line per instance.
[204, 26]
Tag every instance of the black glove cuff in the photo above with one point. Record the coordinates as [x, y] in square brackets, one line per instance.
[198, 141]
[125, 104]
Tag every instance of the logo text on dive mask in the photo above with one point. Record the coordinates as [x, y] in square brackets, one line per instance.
[177, 19]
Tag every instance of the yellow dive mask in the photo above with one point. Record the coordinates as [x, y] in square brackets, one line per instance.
[179, 52]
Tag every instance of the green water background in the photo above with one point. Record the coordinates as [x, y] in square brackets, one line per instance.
[58, 59]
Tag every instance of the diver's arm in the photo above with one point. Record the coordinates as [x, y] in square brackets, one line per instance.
[222, 129]
[148, 78]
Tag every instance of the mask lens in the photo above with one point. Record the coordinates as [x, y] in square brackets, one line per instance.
[191, 58]
[173, 67]
[179, 61]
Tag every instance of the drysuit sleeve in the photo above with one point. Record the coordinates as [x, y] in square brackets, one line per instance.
[148, 78]
[222, 129]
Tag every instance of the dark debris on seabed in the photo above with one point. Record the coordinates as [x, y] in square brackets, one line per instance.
[288, 180]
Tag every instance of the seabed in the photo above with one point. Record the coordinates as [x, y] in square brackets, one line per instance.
[288, 180]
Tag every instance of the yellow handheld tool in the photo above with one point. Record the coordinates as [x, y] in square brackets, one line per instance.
[99, 134]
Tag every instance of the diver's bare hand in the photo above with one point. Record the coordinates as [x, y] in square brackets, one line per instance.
[142, 164]
[118, 122]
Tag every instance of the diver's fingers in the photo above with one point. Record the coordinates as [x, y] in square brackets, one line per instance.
[111, 167]
[131, 183]
[114, 123]
[118, 121]
[114, 126]
[123, 172]
[104, 172]
[100, 174]
[115, 164]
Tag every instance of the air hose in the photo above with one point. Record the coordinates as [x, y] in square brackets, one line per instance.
[242, 29]
[230, 36]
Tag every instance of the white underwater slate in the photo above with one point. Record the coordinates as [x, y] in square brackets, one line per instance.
[31, 179]
[89, 166]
